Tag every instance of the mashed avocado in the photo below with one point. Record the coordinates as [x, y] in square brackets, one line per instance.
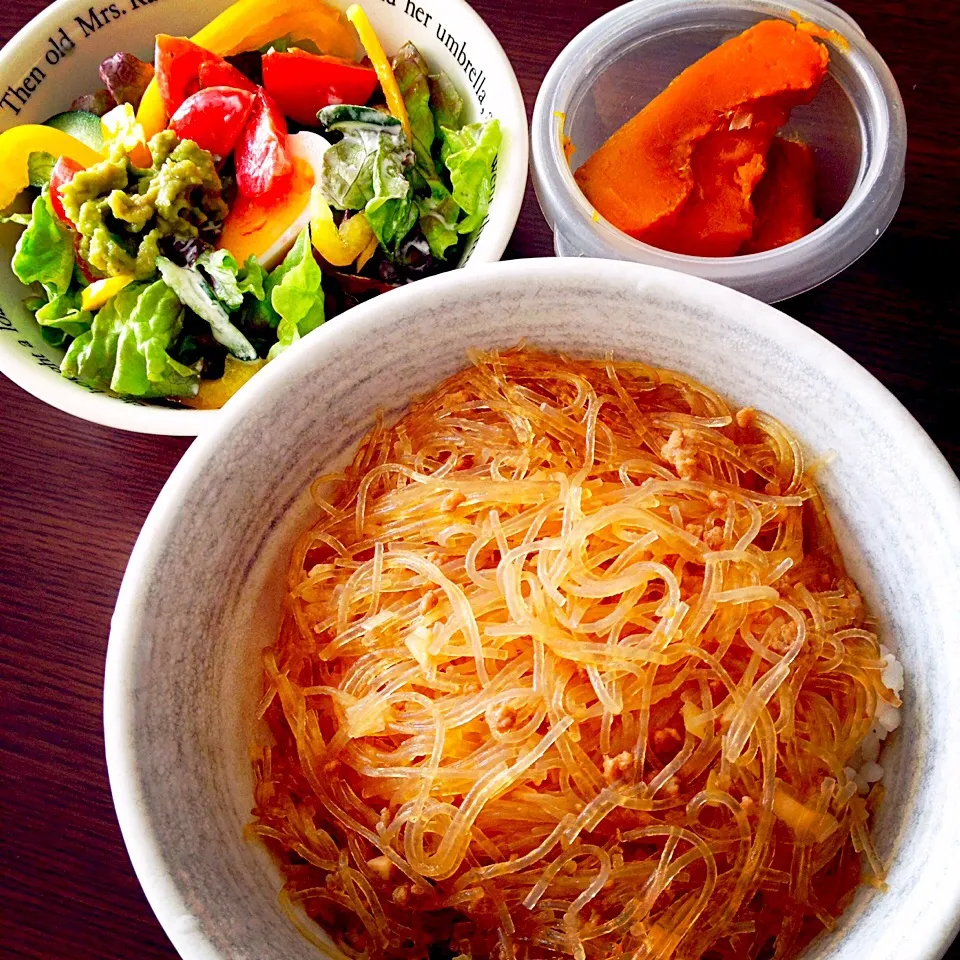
[123, 212]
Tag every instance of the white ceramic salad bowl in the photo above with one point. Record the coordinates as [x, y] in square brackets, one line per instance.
[55, 59]
[202, 593]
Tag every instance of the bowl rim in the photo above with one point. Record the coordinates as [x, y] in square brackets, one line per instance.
[874, 198]
[159, 885]
[109, 410]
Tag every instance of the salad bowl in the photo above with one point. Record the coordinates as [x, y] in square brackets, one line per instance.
[55, 60]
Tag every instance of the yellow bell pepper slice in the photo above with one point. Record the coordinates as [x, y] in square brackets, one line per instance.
[120, 126]
[339, 247]
[16, 145]
[365, 257]
[371, 43]
[243, 27]
[250, 24]
[151, 114]
[213, 394]
[100, 291]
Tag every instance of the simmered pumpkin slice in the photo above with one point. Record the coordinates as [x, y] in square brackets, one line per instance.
[644, 172]
[718, 216]
[785, 201]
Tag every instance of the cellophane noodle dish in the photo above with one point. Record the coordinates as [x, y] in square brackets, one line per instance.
[571, 666]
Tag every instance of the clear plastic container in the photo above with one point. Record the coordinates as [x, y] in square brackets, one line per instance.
[856, 127]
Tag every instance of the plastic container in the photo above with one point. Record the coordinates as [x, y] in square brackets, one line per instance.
[856, 126]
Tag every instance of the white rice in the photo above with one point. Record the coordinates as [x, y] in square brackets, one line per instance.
[865, 770]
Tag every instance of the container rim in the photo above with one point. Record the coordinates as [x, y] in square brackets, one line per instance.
[580, 230]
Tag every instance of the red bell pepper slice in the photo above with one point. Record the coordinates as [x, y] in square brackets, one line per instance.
[182, 68]
[177, 65]
[219, 73]
[303, 83]
[261, 156]
[213, 118]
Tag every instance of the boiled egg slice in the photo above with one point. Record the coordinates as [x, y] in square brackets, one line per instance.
[267, 227]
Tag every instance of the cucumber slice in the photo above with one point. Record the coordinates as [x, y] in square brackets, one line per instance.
[40, 165]
[84, 126]
[194, 292]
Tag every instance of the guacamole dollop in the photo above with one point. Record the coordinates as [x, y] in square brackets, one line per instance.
[122, 212]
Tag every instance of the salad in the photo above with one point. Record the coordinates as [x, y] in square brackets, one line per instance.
[198, 215]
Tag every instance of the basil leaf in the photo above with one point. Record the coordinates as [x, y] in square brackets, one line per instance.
[346, 176]
[348, 117]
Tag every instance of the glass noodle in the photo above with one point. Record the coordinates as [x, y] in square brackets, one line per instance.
[570, 666]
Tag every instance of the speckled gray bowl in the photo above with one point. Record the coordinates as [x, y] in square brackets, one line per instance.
[202, 592]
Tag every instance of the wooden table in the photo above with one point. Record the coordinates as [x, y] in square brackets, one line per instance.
[73, 495]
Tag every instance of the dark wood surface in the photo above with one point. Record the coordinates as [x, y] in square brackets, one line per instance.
[73, 495]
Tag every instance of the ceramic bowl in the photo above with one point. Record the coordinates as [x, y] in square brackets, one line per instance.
[55, 58]
[201, 596]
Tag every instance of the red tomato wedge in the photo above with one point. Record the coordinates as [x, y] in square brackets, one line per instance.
[219, 73]
[64, 170]
[213, 119]
[303, 83]
[261, 156]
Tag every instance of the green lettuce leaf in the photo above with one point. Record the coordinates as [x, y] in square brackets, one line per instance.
[92, 356]
[251, 278]
[144, 366]
[20, 219]
[410, 70]
[221, 270]
[365, 163]
[346, 177]
[230, 281]
[295, 292]
[44, 251]
[438, 219]
[194, 292]
[126, 348]
[62, 318]
[391, 211]
[368, 170]
[34, 302]
[469, 154]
